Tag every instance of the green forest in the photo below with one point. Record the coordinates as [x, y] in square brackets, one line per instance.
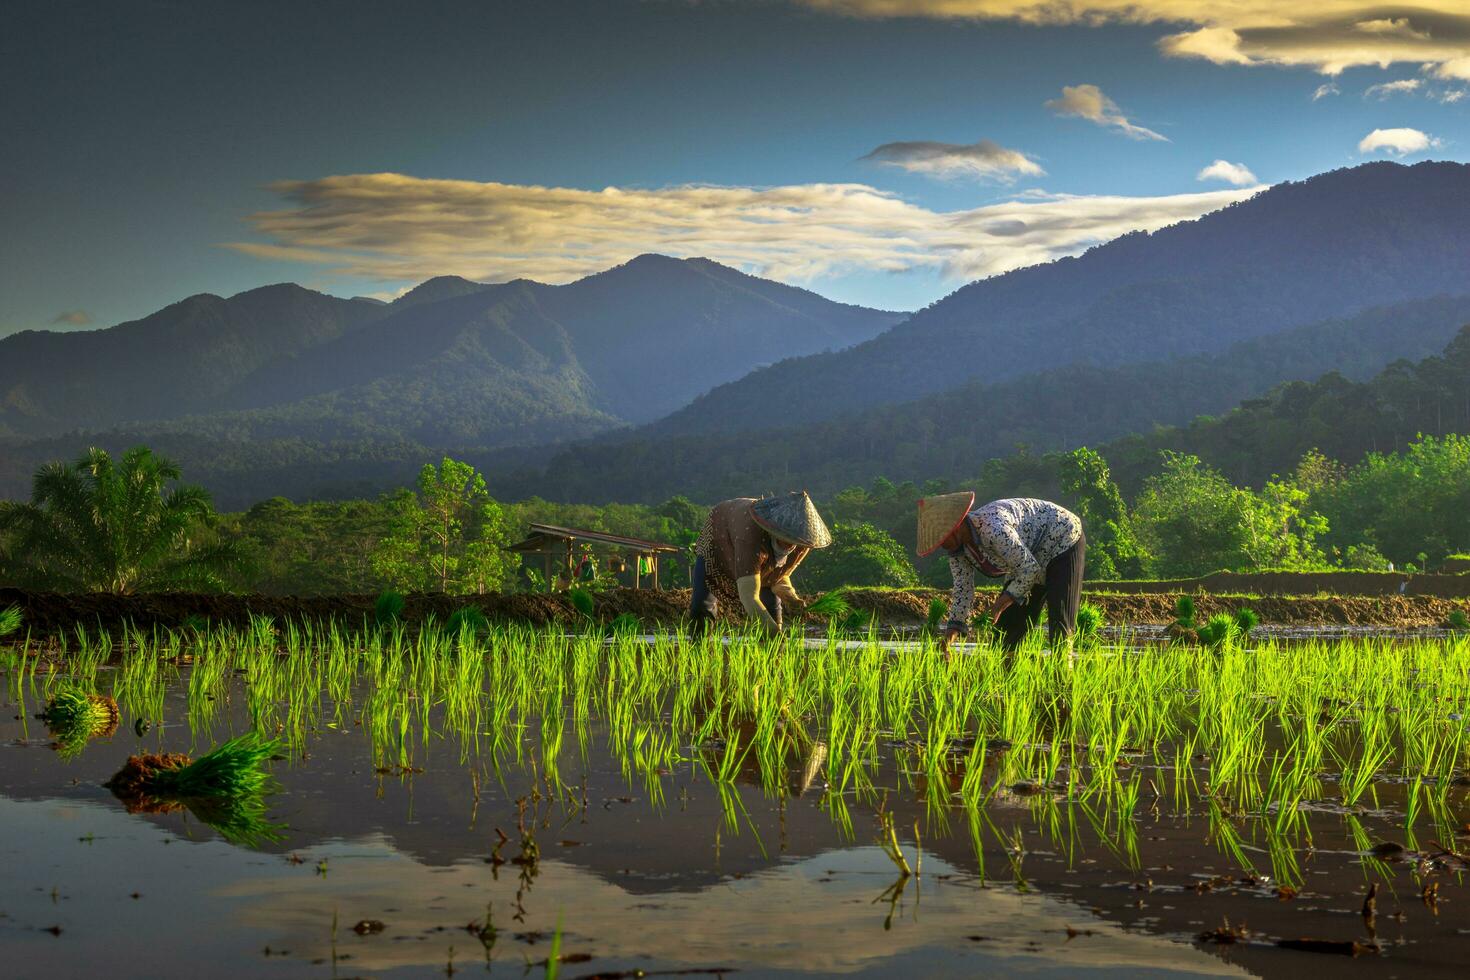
[132, 524]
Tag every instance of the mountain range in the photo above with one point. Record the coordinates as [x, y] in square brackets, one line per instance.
[665, 376]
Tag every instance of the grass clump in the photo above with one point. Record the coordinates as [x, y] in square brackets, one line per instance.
[1458, 621]
[938, 608]
[10, 620]
[388, 609]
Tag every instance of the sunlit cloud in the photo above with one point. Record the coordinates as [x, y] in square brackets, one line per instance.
[1232, 173]
[984, 160]
[397, 228]
[1324, 90]
[1404, 86]
[1452, 96]
[1398, 142]
[71, 318]
[1088, 102]
[1326, 35]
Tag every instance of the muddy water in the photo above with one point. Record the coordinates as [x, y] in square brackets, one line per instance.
[670, 877]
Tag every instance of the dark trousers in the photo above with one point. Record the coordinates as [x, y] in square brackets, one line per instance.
[703, 606]
[1060, 591]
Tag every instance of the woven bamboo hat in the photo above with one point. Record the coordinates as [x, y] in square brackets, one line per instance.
[940, 515]
[792, 517]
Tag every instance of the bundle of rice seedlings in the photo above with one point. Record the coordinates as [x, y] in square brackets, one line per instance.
[9, 620]
[226, 788]
[581, 601]
[1184, 612]
[470, 619]
[73, 717]
[1246, 620]
[1090, 619]
[1458, 621]
[938, 608]
[389, 608]
[1220, 630]
[625, 624]
[830, 606]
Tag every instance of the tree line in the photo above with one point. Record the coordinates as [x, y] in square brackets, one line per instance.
[131, 524]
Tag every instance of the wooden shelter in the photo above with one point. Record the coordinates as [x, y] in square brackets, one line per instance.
[560, 546]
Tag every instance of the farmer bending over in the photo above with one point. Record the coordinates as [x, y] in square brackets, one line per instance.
[1037, 546]
[747, 552]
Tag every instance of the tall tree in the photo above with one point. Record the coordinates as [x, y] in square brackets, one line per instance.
[448, 535]
[99, 525]
[1112, 549]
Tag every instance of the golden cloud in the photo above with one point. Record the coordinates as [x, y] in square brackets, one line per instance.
[1326, 35]
[392, 227]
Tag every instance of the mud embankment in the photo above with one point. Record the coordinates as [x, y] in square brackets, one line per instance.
[48, 614]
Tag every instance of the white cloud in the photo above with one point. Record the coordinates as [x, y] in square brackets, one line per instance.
[396, 228]
[1383, 90]
[1326, 89]
[1453, 96]
[1088, 102]
[1232, 173]
[1326, 35]
[1398, 142]
[984, 160]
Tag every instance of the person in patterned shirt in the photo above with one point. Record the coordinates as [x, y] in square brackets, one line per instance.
[1036, 546]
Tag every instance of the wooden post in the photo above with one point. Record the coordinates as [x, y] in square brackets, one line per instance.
[637, 572]
[654, 559]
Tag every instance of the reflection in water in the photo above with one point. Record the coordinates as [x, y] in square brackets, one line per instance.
[815, 915]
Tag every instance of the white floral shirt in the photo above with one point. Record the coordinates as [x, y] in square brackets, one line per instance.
[1018, 537]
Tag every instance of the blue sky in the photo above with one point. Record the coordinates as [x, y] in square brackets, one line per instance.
[482, 138]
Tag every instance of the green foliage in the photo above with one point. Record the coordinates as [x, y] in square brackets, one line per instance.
[388, 608]
[1193, 521]
[1458, 620]
[581, 601]
[859, 555]
[75, 715]
[311, 548]
[467, 619]
[10, 620]
[1113, 550]
[99, 525]
[448, 536]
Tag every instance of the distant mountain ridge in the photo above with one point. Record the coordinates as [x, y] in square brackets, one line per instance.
[450, 361]
[1328, 246]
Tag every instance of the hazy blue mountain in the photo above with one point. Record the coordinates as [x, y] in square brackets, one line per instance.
[183, 359]
[452, 360]
[950, 434]
[1340, 242]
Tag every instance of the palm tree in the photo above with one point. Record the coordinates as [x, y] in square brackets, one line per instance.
[102, 526]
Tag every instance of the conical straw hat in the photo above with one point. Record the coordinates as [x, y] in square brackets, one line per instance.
[792, 517]
[940, 515]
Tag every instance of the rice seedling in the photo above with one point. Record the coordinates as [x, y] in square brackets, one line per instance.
[467, 619]
[1090, 620]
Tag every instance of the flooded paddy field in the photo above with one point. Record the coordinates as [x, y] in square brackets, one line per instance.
[520, 802]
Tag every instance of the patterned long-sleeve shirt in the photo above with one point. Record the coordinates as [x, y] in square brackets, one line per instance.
[1017, 538]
